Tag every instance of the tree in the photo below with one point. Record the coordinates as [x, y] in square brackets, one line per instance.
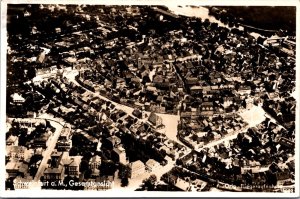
[124, 171]
[84, 166]
[271, 178]
[179, 162]
[67, 182]
[87, 155]
[107, 168]
[124, 182]
[31, 73]
[150, 182]
[73, 151]
[194, 137]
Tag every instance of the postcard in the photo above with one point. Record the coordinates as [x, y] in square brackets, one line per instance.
[149, 98]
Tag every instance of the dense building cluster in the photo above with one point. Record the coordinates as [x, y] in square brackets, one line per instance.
[111, 95]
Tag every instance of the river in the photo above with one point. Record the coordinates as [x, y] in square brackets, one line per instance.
[202, 12]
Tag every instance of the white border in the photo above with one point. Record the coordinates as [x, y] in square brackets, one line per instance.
[75, 194]
[3, 94]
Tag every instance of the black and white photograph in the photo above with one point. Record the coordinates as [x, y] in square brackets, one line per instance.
[146, 99]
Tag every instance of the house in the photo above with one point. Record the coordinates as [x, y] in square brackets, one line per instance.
[58, 30]
[54, 174]
[137, 113]
[71, 165]
[137, 168]
[155, 120]
[284, 178]
[12, 141]
[119, 155]
[192, 80]
[64, 145]
[64, 142]
[70, 61]
[41, 57]
[56, 170]
[287, 143]
[95, 162]
[55, 158]
[31, 114]
[16, 152]
[207, 108]
[245, 90]
[158, 79]
[182, 185]
[152, 165]
[227, 101]
[196, 89]
[120, 83]
[42, 141]
[17, 98]
[151, 89]
[14, 168]
[112, 142]
[249, 103]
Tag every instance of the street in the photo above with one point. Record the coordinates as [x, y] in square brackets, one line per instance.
[47, 153]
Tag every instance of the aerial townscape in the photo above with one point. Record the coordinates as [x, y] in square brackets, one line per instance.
[150, 98]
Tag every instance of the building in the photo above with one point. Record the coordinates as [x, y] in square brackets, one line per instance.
[287, 143]
[65, 133]
[182, 185]
[152, 165]
[137, 168]
[29, 122]
[42, 141]
[54, 174]
[55, 158]
[64, 142]
[18, 99]
[119, 155]
[112, 142]
[12, 141]
[41, 57]
[137, 113]
[31, 114]
[155, 120]
[56, 171]
[16, 152]
[249, 103]
[227, 102]
[245, 90]
[95, 162]
[284, 178]
[14, 168]
[207, 109]
[71, 165]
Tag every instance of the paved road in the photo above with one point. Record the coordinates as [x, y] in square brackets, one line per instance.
[47, 153]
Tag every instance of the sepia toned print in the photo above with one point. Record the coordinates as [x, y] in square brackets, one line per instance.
[173, 98]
